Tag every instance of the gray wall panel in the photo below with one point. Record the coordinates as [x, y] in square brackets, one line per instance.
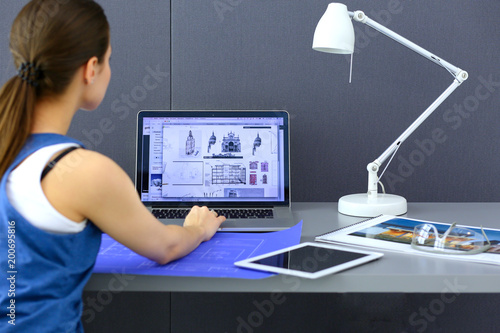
[257, 55]
[9, 10]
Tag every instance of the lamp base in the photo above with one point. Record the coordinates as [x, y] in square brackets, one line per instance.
[362, 206]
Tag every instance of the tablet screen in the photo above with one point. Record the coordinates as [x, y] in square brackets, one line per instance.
[309, 259]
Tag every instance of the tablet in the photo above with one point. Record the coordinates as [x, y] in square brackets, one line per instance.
[309, 260]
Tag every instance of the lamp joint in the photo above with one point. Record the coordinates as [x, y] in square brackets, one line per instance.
[462, 76]
[359, 16]
[373, 178]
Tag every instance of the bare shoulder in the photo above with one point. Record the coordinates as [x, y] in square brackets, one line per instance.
[85, 167]
[93, 172]
[83, 179]
[90, 163]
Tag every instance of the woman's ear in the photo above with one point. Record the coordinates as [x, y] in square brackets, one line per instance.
[90, 70]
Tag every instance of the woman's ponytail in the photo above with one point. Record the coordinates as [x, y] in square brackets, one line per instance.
[17, 101]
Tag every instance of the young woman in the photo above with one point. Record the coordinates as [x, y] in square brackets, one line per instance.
[55, 196]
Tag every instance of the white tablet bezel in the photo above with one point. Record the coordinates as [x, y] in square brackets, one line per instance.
[369, 256]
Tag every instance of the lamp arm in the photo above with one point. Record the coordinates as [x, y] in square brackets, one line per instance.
[458, 74]
[373, 167]
[360, 16]
[381, 159]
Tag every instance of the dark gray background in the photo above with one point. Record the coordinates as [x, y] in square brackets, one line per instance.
[240, 54]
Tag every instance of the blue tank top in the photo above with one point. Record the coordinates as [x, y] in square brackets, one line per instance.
[42, 275]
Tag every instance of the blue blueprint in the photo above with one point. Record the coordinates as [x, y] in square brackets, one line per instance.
[214, 258]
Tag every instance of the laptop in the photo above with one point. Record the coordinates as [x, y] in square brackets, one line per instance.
[235, 162]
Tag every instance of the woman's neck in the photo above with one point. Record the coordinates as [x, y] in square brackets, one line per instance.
[53, 115]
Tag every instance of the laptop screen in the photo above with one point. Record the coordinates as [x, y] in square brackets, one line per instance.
[226, 158]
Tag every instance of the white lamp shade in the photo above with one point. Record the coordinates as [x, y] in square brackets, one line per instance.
[334, 32]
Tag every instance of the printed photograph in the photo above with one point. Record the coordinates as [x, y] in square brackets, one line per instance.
[400, 230]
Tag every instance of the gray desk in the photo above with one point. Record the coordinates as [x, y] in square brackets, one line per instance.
[393, 273]
[399, 293]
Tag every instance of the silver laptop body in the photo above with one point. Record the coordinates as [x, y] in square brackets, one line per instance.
[235, 162]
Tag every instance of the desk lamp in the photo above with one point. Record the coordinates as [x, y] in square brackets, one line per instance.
[335, 34]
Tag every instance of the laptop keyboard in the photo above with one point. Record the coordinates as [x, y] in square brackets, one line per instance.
[236, 213]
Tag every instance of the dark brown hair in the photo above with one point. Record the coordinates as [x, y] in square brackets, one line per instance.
[57, 37]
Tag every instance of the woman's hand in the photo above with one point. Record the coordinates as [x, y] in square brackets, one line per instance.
[207, 220]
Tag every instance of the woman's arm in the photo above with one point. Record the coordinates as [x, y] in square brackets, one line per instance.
[95, 187]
